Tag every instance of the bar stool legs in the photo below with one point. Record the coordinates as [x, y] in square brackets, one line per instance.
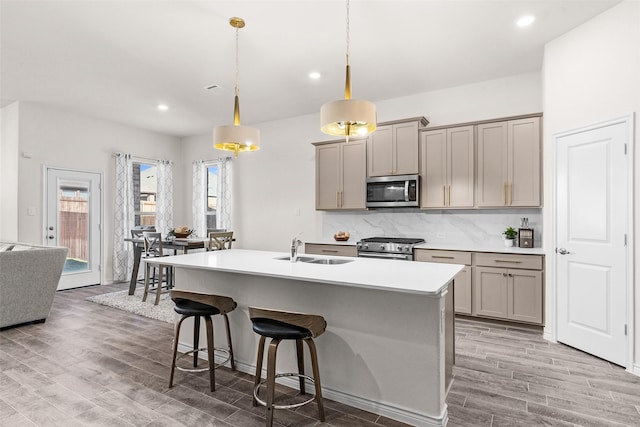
[195, 305]
[286, 326]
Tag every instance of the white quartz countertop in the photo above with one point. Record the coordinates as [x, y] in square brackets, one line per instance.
[466, 247]
[422, 278]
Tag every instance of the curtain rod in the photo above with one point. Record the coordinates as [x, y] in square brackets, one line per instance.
[139, 159]
[214, 160]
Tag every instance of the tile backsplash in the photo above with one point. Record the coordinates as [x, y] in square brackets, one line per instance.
[437, 226]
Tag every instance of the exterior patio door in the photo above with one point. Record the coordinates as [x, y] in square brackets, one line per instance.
[73, 209]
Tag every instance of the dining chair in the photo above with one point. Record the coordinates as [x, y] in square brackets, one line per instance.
[153, 249]
[136, 233]
[220, 240]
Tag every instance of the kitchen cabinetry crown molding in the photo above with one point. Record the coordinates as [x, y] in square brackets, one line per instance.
[422, 121]
[481, 122]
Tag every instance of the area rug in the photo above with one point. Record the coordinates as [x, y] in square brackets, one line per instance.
[133, 303]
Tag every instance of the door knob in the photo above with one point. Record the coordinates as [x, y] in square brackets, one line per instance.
[562, 251]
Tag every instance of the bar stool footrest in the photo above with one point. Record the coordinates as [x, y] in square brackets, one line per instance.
[293, 405]
[204, 350]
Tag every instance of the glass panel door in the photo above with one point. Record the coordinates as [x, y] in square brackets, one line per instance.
[73, 221]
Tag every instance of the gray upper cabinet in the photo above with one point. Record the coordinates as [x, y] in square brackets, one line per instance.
[447, 164]
[393, 149]
[341, 175]
[508, 163]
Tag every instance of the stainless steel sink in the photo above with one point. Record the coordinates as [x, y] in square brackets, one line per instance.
[329, 261]
[300, 258]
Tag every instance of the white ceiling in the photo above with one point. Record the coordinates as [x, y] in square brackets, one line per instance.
[117, 60]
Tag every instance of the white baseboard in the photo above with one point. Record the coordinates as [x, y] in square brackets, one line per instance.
[389, 411]
[635, 369]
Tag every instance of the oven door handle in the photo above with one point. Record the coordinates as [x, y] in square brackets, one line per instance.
[404, 257]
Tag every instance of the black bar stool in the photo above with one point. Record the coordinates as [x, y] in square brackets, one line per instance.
[282, 325]
[193, 304]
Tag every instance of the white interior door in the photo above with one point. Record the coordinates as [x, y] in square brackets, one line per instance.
[73, 205]
[592, 220]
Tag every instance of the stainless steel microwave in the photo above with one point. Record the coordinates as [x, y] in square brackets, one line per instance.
[393, 191]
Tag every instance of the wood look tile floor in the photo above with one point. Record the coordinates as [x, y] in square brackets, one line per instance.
[94, 365]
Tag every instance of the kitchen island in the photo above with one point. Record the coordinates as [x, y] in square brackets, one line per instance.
[388, 347]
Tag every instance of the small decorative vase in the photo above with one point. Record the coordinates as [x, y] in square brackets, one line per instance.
[508, 242]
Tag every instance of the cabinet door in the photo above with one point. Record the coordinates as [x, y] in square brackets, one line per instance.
[524, 162]
[460, 167]
[491, 185]
[327, 176]
[405, 153]
[462, 291]
[525, 295]
[490, 292]
[433, 158]
[353, 170]
[379, 152]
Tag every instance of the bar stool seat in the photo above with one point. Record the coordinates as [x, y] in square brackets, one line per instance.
[282, 325]
[197, 305]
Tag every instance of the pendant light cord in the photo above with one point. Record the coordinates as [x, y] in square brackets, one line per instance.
[237, 63]
[347, 32]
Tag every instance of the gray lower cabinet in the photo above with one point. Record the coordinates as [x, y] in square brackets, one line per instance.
[495, 285]
[509, 293]
[462, 281]
[329, 249]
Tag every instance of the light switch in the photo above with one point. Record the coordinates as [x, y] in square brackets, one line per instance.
[31, 211]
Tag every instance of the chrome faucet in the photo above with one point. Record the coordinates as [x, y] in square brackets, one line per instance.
[295, 243]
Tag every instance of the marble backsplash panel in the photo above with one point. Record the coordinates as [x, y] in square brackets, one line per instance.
[435, 226]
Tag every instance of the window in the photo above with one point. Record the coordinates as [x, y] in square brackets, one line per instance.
[212, 195]
[144, 193]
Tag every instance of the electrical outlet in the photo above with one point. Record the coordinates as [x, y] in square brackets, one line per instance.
[31, 211]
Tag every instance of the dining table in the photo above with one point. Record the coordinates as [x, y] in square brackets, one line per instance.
[177, 244]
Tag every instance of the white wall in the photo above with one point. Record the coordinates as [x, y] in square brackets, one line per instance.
[9, 120]
[272, 184]
[65, 140]
[590, 75]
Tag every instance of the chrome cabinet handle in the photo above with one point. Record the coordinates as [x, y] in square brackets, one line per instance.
[563, 251]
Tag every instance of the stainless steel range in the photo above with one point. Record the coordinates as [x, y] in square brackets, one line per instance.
[388, 247]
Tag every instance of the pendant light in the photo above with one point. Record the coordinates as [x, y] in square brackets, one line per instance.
[348, 117]
[235, 137]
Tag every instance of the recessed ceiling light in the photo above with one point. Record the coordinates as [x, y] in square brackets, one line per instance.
[163, 107]
[314, 75]
[526, 21]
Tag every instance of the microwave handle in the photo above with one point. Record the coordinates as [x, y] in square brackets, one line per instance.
[406, 190]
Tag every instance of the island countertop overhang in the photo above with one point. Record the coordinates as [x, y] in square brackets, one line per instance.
[423, 278]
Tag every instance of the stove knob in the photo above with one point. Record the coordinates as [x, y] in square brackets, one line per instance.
[382, 247]
[406, 248]
[366, 246]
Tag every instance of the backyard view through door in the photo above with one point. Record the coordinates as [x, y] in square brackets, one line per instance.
[73, 213]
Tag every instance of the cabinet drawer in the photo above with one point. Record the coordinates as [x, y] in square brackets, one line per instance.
[337, 250]
[529, 262]
[446, 257]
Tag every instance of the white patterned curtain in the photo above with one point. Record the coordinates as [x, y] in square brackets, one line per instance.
[164, 201]
[123, 218]
[223, 214]
[198, 208]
